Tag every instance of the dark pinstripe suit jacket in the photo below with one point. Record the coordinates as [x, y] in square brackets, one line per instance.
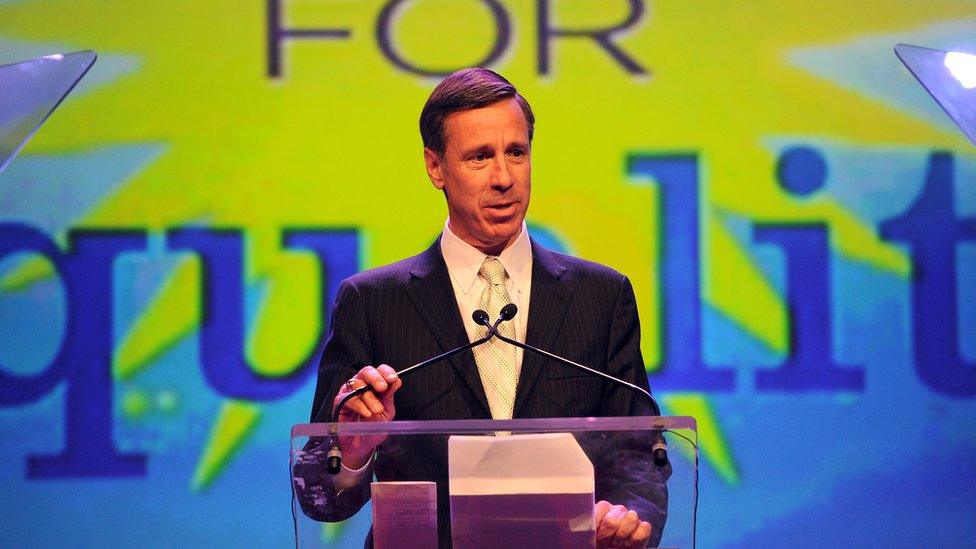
[406, 312]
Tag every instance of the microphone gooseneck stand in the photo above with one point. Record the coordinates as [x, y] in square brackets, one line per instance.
[334, 457]
[659, 450]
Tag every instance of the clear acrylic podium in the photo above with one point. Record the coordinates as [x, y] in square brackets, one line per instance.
[29, 93]
[619, 449]
[949, 77]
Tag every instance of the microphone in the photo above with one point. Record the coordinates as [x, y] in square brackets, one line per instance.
[334, 457]
[659, 450]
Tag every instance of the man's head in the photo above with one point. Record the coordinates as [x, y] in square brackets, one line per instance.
[477, 133]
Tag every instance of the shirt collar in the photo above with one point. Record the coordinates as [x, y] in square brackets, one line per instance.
[464, 260]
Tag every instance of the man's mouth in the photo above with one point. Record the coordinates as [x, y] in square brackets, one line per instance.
[502, 207]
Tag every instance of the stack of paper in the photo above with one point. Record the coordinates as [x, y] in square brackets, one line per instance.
[535, 490]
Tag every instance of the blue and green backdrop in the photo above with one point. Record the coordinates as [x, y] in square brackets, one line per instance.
[798, 218]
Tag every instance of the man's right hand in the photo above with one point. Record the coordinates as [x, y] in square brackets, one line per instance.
[373, 405]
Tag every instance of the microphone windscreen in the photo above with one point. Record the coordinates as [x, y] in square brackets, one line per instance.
[480, 317]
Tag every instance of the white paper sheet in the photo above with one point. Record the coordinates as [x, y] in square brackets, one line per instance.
[550, 463]
[520, 491]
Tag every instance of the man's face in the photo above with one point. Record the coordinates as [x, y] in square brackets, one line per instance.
[485, 173]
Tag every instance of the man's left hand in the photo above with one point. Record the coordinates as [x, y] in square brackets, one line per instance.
[617, 526]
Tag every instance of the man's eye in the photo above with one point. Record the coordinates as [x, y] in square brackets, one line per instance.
[480, 157]
[517, 153]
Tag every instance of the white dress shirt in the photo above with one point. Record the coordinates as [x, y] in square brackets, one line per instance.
[464, 262]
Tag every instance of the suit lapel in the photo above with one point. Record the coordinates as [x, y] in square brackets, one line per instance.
[432, 295]
[548, 303]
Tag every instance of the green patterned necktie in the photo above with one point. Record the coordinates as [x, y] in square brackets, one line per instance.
[496, 359]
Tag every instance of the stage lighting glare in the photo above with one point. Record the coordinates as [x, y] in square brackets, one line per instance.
[962, 66]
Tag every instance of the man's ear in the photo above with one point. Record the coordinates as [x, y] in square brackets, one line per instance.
[432, 161]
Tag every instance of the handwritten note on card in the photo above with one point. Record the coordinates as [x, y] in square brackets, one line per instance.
[404, 515]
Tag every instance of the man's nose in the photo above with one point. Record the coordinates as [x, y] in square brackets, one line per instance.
[502, 177]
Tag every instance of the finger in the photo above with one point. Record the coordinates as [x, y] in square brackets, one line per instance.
[388, 373]
[394, 381]
[373, 378]
[641, 534]
[611, 521]
[628, 524]
[372, 402]
[356, 407]
[352, 407]
[600, 511]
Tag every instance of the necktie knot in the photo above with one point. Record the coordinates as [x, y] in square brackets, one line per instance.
[493, 271]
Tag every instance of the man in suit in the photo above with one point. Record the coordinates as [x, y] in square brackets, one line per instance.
[477, 132]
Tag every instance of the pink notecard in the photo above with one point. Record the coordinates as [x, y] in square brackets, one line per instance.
[404, 515]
